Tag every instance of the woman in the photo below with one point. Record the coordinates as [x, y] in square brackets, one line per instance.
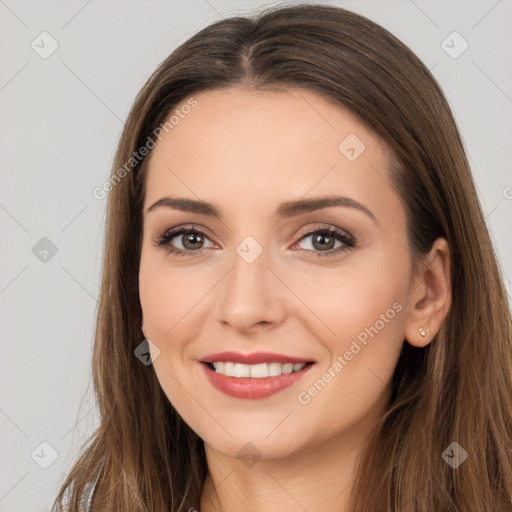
[295, 243]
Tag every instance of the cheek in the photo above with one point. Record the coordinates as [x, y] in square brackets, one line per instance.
[362, 308]
[158, 302]
[167, 307]
[167, 298]
[365, 309]
[352, 298]
[365, 305]
[172, 301]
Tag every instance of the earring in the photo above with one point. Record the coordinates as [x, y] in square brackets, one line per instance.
[423, 331]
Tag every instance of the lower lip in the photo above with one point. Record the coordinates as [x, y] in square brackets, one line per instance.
[253, 389]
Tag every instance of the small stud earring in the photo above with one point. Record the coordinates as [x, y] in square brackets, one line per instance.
[423, 331]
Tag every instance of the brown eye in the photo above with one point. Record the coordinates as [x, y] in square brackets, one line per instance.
[191, 240]
[323, 241]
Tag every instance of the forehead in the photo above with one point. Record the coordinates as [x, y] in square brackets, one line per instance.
[237, 143]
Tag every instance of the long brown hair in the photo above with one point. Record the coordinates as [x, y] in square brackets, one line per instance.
[457, 389]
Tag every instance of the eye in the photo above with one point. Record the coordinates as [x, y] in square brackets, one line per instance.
[323, 241]
[191, 241]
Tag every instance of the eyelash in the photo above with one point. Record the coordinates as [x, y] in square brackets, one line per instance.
[348, 240]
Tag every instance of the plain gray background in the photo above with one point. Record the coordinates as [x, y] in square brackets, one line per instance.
[61, 117]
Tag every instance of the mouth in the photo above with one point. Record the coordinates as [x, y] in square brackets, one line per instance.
[254, 381]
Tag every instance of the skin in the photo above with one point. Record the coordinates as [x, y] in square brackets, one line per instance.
[246, 152]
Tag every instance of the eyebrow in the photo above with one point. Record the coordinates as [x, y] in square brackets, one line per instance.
[285, 210]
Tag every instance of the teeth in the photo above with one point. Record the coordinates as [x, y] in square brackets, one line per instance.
[274, 369]
[256, 371]
[242, 370]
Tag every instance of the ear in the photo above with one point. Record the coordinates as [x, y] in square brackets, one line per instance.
[430, 297]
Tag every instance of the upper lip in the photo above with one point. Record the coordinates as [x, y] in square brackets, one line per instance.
[253, 358]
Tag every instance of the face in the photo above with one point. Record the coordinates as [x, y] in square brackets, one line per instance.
[310, 282]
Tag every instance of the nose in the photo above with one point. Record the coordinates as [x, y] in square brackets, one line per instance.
[250, 296]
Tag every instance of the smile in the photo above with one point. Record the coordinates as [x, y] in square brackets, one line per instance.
[253, 382]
